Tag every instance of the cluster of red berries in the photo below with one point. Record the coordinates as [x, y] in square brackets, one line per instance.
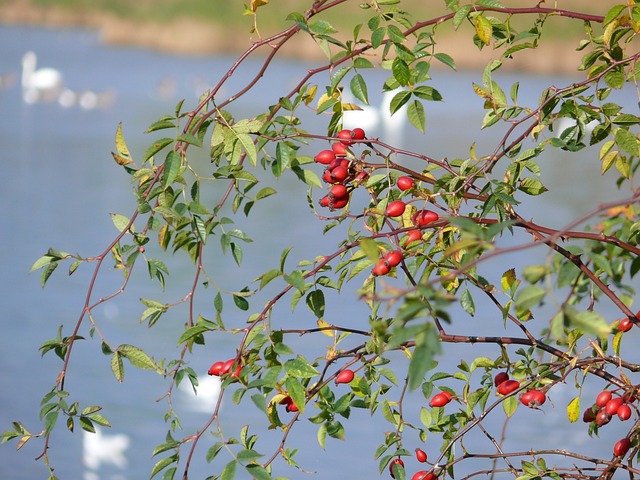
[219, 369]
[606, 406]
[339, 171]
[532, 398]
[395, 209]
[421, 475]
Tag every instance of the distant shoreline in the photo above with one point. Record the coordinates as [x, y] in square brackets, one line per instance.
[190, 37]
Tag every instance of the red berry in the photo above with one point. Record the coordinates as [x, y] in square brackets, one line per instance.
[624, 412]
[533, 398]
[421, 456]
[621, 447]
[424, 475]
[404, 183]
[589, 415]
[395, 461]
[602, 417]
[358, 134]
[216, 368]
[508, 386]
[500, 377]
[325, 157]
[625, 325]
[339, 174]
[338, 191]
[412, 236]
[345, 136]
[603, 398]
[396, 208]
[226, 367]
[613, 405]
[381, 268]
[339, 148]
[424, 217]
[141, 249]
[393, 258]
[339, 203]
[291, 407]
[440, 400]
[629, 398]
[345, 376]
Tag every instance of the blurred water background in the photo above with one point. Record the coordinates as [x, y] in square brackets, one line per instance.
[60, 184]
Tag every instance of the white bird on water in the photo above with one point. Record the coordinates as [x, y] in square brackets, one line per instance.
[377, 119]
[205, 398]
[108, 449]
[39, 84]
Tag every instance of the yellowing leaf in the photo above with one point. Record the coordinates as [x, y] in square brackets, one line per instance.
[617, 339]
[573, 410]
[483, 29]
[323, 324]
[255, 4]
[509, 280]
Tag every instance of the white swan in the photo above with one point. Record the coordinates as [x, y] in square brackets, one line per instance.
[39, 84]
[108, 449]
[377, 119]
[205, 398]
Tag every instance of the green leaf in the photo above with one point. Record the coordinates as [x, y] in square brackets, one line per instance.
[398, 100]
[192, 332]
[370, 248]
[466, 300]
[532, 186]
[138, 358]
[590, 323]
[510, 405]
[529, 297]
[296, 280]
[401, 71]
[415, 112]
[299, 367]
[156, 147]
[295, 391]
[229, 471]
[427, 93]
[265, 192]
[447, 59]
[172, 164]
[247, 144]
[117, 367]
[315, 302]
[258, 472]
[162, 464]
[120, 221]
[359, 88]
[628, 142]
[427, 346]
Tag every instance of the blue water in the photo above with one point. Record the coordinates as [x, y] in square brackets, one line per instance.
[60, 184]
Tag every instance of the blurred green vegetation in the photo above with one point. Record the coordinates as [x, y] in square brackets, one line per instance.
[272, 17]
